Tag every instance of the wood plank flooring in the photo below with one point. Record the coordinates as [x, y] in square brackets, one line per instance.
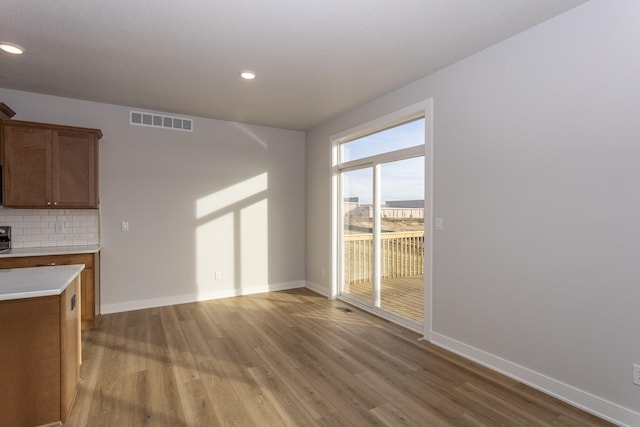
[290, 359]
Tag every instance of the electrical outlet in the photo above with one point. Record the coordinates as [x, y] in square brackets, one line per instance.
[636, 374]
[218, 275]
[124, 226]
[58, 227]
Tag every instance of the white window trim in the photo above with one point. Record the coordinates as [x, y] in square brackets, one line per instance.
[390, 120]
[391, 156]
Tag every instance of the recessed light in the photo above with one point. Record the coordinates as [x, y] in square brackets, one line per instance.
[248, 75]
[11, 48]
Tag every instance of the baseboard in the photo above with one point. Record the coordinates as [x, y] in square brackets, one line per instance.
[586, 401]
[183, 299]
[319, 289]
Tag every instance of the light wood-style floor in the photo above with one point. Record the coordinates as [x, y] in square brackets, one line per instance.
[290, 359]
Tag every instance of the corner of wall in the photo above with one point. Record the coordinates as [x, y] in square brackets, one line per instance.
[317, 288]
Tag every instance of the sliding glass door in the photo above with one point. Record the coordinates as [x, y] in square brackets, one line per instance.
[382, 220]
[402, 237]
[357, 266]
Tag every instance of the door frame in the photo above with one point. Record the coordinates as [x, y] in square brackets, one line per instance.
[424, 108]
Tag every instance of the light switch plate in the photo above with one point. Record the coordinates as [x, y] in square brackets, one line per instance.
[438, 224]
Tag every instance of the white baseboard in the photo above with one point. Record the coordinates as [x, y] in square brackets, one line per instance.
[183, 299]
[586, 401]
[319, 289]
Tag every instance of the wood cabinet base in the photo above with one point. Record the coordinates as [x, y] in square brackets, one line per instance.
[39, 361]
[90, 305]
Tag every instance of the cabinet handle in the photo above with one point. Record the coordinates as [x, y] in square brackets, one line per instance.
[48, 203]
[73, 302]
[45, 265]
[55, 203]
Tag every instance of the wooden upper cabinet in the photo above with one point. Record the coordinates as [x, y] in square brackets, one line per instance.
[27, 166]
[49, 166]
[74, 169]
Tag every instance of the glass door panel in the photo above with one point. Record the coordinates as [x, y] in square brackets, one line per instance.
[357, 217]
[402, 237]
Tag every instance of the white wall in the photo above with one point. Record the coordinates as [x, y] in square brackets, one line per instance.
[226, 198]
[537, 178]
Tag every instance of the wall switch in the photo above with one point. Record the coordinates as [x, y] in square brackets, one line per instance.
[124, 226]
[438, 224]
[218, 275]
[636, 374]
[58, 227]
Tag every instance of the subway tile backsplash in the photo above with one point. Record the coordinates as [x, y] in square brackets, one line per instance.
[34, 228]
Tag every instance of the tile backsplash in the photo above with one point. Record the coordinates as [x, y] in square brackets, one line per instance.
[33, 228]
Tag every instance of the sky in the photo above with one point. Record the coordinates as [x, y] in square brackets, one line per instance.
[401, 180]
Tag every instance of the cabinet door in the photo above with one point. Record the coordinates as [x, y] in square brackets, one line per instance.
[27, 166]
[74, 169]
[87, 312]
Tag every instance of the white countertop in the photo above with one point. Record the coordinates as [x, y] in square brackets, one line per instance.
[51, 250]
[17, 283]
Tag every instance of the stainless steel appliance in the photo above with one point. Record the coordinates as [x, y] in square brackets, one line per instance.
[5, 238]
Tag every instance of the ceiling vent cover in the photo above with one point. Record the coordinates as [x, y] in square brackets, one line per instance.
[140, 118]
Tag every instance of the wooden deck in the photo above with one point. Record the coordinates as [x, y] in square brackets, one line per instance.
[404, 296]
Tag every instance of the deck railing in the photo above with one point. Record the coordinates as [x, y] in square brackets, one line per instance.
[402, 255]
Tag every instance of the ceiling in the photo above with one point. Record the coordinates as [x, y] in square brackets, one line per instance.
[314, 58]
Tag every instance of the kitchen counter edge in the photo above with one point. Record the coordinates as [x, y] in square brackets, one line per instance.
[36, 282]
[51, 250]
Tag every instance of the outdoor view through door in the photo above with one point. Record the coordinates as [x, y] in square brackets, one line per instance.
[381, 181]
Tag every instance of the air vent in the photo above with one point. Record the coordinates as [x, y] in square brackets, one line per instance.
[140, 118]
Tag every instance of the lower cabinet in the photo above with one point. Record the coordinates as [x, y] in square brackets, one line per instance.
[90, 304]
[39, 358]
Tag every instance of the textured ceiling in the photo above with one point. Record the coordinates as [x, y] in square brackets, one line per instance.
[314, 58]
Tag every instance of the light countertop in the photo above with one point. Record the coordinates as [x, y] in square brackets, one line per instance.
[17, 283]
[51, 250]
